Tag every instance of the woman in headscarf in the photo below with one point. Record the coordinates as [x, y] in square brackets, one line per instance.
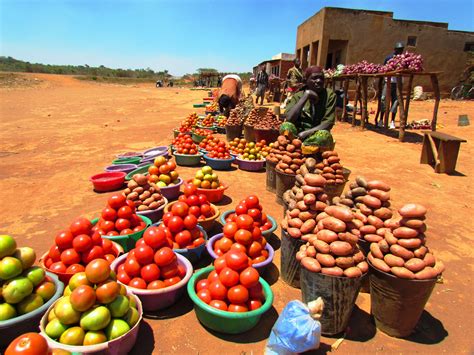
[313, 107]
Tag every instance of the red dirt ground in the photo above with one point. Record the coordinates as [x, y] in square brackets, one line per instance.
[59, 131]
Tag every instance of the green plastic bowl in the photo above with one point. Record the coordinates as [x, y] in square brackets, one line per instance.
[133, 160]
[188, 159]
[222, 321]
[140, 170]
[127, 241]
[197, 138]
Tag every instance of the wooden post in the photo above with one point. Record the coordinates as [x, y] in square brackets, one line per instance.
[388, 101]
[408, 98]
[434, 82]
[379, 99]
[364, 115]
[346, 90]
[403, 117]
[356, 99]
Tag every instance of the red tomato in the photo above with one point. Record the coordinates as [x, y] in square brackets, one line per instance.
[183, 238]
[144, 254]
[252, 201]
[218, 290]
[183, 198]
[219, 264]
[95, 253]
[254, 250]
[109, 214]
[255, 213]
[64, 239]
[238, 308]
[80, 226]
[82, 242]
[181, 270]
[113, 233]
[107, 226]
[189, 189]
[238, 247]
[132, 267]
[175, 224]
[192, 200]
[179, 209]
[244, 221]
[202, 284]
[97, 237]
[58, 267]
[221, 305]
[125, 212]
[154, 237]
[122, 223]
[137, 282]
[169, 270]
[236, 260]
[123, 277]
[256, 292]
[241, 209]
[195, 211]
[230, 228]
[172, 281]
[254, 304]
[206, 210]
[204, 295]
[109, 257]
[256, 233]
[238, 294]
[98, 270]
[131, 204]
[28, 344]
[150, 272]
[136, 221]
[197, 242]
[229, 277]
[48, 262]
[117, 200]
[213, 276]
[54, 253]
[70, 256]
[190, 222]
[166, 218]
[243, 236]
[107, 245]
[249, 277]
[202, 199]
[164, 256]
[156, 285]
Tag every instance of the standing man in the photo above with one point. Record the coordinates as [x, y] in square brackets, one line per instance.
[294, 80]
[229, 93]
[262, 84]
[399, 47]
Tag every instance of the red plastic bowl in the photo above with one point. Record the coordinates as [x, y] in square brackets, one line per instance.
[213, 195]
[108, 181]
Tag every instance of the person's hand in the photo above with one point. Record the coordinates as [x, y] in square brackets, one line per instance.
[311, 95]
[303, 135]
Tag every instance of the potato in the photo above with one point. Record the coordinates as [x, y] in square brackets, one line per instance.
[299, 179]
[381, 195]
[303, 170]
[140, 179]
[427, 273]
[309, 199]
[356, 223]
[384, 246]
[327, 236]
[341, 248]
[383, 213]
[402, 252]
[294, 213]
[297, 143]
[319, 166]
[143, 208]
[375, 250]
[290, 148]
[311, 251]
[348, 237]
[328, 170]
[358, 191]
[154, 205]
[289, 171]
[392, 260]
[439, 267]
[333, 271]
[368, 229]
[402, 273]
[308, 226]
[127, 191]
[334, 224]
[294, 167]
[322, 197]
[392, 223]
[375, 221]
[420, 252]
[363, 266]
[305, 215]
[360, 180]
[372, 202]
[294, 232]
[412, 210]
[318, 206]
[345, 262]
[148, 201]
[139, 190]
[144, 195]
[336, 166]
[411, 243]
[314, 180]
[321, 246]
[372, 238]
[379, 185]
[429, 259]
[321, 216]
[132, 184]
[341, 213]
[333, 159]
[382, 231]
[311, 264]
[353, 272]
[301, 206]
[299, 196]
[412, 222]
[415, 265]
[378, 263]
[360, 216]
[405, 232]
[329, 153]
[311, 189]
[300, 255]
[356, 232]
[329, 176]
[365, 210]
[295, 223]
[347, 202]
[132, 196]
[326, 260]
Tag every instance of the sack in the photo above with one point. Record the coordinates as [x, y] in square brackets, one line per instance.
[295, 331]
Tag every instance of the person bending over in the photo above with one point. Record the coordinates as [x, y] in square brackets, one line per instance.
[229, 93]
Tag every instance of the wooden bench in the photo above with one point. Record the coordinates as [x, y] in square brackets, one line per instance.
[440, 150]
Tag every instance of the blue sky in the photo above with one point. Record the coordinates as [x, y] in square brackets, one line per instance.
[181, 35]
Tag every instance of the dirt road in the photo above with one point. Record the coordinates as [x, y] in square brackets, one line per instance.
[58, 132]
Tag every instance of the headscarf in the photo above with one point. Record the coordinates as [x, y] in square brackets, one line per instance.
[312, 70]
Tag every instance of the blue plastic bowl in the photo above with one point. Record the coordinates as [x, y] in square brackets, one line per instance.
[219, 164]
[266, 233]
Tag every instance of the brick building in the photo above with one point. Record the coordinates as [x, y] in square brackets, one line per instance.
[278, 65]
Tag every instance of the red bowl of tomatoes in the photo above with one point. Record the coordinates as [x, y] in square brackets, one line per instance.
[109, 181]
[65, 276]
[213, 195]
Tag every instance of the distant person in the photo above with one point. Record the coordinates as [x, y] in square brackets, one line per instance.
[262, 84]
[159, 84]
[229, 94]
[399, 47]
[313, 107]
[294, 80]
[219, 81]
[253, 83]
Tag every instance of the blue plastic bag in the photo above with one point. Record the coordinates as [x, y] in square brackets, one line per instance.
[295, 331]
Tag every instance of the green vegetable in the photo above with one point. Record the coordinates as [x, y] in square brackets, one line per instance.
[320, 138]
[288, 129]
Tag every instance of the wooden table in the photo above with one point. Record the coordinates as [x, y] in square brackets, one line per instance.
[440, 150]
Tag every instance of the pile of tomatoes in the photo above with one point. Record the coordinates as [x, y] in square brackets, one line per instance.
[152, 264]
[184, 144]
[76, 247]
[188, 123]
[202, 132]
[215, 148]
[163, 172]
[252, 207]
[208, 121]
[233, 285]
[198, 204]
[250, 150]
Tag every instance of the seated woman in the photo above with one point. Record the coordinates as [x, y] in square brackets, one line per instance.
[229, 93]
[313, 107]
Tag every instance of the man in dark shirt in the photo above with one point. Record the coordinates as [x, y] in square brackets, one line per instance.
[262, 84]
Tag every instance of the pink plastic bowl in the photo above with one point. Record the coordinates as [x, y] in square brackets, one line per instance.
[171, 192]
[154, 300]
[108, 181]
[156, 214]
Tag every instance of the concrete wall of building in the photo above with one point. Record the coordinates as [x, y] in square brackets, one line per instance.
[371, 36]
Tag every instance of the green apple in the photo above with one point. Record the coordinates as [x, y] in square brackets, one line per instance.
[10, 267]
[116, 328]
[7, 245]
[94, 337]
[73, 336]
[35, 274]
[131, 317]
[55, 328]
[7, 311]
[119, 307]
[95, 319]
[65, 312]
[16, 289]
[26, 255]
[29, 303]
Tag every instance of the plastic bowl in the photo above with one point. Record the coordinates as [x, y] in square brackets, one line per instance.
[127, 155]
[155, 151]
[154, 300]
[151, 158]
[250, 165]
[141, 170]
[188, 159]
[127, 241]
[156, 214]
[219, 164]
[222, 321]
[25, 323]
[125, 168]
[213, 195]
[206, 224]
[120, 345]
[197, 138]
[265, 233]
[108, 181]
[259, 266]
[65, 277]
[171, 192]
[132, 160]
